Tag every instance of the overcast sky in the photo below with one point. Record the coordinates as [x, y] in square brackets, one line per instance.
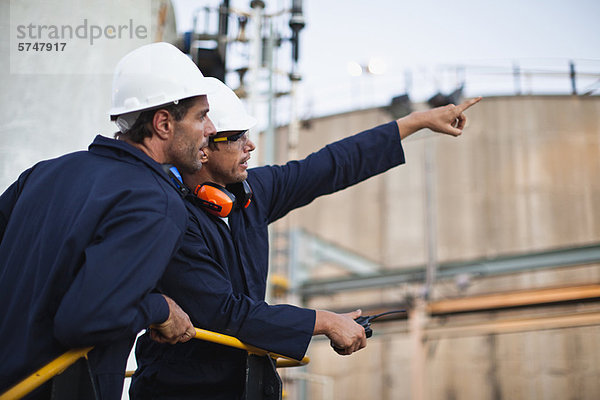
[425, 41]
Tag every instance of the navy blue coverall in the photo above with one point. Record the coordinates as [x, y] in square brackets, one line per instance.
[219, 275]
[84, 241]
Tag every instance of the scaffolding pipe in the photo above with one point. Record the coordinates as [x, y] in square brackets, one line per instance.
[258, 8]
[573, 78]
[481, 267]
[417, 321]
[430, 219]
[269, 142]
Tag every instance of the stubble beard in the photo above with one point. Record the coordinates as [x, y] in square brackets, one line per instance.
[186, 157]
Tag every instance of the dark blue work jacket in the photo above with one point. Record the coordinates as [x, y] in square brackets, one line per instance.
[219, 275]
[84, 241]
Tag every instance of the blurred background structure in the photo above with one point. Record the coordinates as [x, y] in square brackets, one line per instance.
[490, 242]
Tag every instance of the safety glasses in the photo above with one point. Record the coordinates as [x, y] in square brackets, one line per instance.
[232, 138]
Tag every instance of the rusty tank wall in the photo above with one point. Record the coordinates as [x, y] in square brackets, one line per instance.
[523, 178]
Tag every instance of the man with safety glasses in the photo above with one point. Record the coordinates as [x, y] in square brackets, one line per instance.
[219, 276]
[231, 138]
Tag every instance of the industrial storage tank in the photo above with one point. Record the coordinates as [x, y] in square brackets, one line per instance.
[56, 101]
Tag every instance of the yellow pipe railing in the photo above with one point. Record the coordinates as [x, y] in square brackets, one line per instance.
[62, 362]
[44, 374]
[234, 342]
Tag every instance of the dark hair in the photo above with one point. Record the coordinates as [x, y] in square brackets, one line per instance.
[140, 130]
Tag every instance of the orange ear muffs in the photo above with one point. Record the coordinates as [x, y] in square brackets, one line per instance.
[220, 201]
[215, 199]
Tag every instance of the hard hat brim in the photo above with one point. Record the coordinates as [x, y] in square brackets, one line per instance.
[155, 75]
[207, 86]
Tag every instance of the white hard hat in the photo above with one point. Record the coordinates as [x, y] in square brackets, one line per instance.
[154, 75]
[227, 111]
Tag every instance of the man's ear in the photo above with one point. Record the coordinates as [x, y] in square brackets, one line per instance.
[162, 122]
[204, 158]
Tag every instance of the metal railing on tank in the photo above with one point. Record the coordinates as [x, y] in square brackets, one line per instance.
[64, 361]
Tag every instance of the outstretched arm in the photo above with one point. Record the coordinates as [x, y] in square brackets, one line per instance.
[334, 167]
[348, 161]
[448, 119]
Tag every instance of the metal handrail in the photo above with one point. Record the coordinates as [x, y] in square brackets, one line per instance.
[230, 341]
[44, 374]
[62, 362]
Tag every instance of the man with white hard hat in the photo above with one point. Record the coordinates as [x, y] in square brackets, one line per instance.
[84, 238]
[219, 275]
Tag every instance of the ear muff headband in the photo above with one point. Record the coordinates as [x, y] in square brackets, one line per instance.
[214, 198]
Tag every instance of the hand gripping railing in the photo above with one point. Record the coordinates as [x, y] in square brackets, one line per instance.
[62, 362]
